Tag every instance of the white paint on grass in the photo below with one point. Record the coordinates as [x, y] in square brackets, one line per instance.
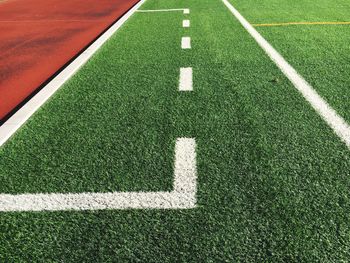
[336, 122]
[186, 11]
[185, 82]
[186, 43]
[183, 195]
[186, 23]
[23, 114]
[163, 10]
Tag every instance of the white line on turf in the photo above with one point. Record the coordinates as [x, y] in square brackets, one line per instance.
[183, 195]
[186, 23]
[22, 115]
[185, 83]
[186, 43]
[164, 10]
[336, 122]
[186, 11]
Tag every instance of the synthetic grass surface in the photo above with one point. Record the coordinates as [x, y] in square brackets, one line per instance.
[109, 128]
[320, 53]
[278, 11]
[273, 179]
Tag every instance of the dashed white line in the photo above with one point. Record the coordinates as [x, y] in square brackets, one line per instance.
[185, 83]
[186, 23]
[186, 43]
[336, 122]
[183, 195]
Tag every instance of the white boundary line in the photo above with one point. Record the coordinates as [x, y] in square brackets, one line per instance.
[24, 113]
[185, 10]
[183, 195]
[336, 122]
[186, 79]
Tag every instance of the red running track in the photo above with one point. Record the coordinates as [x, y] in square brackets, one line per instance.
[38, 37]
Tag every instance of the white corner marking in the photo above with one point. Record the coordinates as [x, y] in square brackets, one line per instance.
[183, 195]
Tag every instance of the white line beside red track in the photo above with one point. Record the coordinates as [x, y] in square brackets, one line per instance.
[24, 113]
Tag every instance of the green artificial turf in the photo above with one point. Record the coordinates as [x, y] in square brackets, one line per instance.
[320, 53]
[273, 179]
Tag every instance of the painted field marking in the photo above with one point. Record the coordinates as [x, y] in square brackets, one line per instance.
[186, 43]
[186, 23]
[164, 10]
[185, 82]
[8, 128]
[183, 195]
[186, 11]
[330, 116]
[300, 23]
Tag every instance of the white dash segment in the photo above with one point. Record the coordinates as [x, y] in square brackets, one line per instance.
[186, 43]
[329, 115]
[186, 23]
[186, 82]
[186, 11]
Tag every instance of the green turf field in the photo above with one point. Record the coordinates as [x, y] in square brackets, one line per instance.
[273, 178]
[319, 52]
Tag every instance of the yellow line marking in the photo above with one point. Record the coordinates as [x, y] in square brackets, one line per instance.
[301, 23]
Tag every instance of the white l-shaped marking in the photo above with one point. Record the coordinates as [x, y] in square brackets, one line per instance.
[183, 195]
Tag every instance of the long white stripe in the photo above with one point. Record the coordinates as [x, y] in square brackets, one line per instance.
[185, 83]
[336, 122]
[162, 10]
[186, 23]
[186, 43]
[183, 195]
[23, 114]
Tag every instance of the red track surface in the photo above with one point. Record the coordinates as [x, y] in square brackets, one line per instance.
[38, 37]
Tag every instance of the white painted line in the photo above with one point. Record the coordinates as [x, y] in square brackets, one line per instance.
[185, 83]
[186, 11]
[186, 43]
[336, 122]
[186, 23]
[162, 10]
[23, 114]
[183, 195]
[185, 166]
